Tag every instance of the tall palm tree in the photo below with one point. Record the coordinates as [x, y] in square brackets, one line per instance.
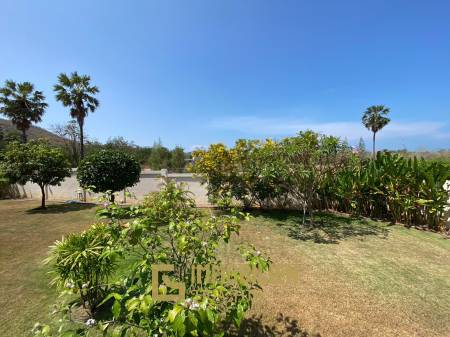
[77, 93]
[22, 104]
[375, 118]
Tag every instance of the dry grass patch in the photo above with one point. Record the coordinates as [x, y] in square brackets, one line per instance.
[351, 278]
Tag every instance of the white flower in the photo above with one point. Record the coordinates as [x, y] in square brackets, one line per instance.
[191, 304]
[70, 285]
[84, 286]
[90, 322]
[258, 253]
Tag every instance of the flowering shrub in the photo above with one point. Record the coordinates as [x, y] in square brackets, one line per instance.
[313, 172]
[155, 234]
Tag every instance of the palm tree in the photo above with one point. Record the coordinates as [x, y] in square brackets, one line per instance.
[77, 93]
[375, 118]
[22, 104]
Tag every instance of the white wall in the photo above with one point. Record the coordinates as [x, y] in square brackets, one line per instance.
[150, 181]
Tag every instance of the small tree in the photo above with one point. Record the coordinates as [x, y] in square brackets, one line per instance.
[36, 162]
[177, 161]
[375, 118]
[108, 171]
[22, 104]
[70, 132]
[159, 157]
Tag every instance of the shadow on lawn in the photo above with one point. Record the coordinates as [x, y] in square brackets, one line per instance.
[61, 208]
[327, 227]
[284, 326]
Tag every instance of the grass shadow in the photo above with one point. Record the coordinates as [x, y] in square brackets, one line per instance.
[61, 208]
[284, 326]
[327, 228]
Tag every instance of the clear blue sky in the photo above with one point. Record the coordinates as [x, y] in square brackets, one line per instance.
[198, 72]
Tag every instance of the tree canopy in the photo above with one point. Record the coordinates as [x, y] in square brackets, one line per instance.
[375, 118]
[36, 162]
[75, 91]
[108, 171]
[22, 104]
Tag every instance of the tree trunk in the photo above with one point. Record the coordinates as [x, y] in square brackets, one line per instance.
[43, 196]
[24, 136]
[373, 151]
[81, 124]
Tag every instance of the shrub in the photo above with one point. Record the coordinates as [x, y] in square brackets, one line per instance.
[172, 203]
[150, 235]
[312, 172]
[83, 262]
[108, 171]
[391, 186]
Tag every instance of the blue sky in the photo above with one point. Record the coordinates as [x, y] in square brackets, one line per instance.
[200, 72]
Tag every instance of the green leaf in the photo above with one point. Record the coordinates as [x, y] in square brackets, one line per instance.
[116, 308]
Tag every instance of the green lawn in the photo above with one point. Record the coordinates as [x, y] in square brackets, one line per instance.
[341, 277]
[24, 239]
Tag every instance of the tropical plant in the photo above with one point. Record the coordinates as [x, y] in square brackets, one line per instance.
[108, 171]
[82, 263]
[410, 191]
[36, 162]
[184, 243]
[315, 172]
[75, 91]
[375, 118]
[22, 104]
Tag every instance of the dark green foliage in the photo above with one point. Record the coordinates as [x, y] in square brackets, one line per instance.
[375, 118]
[163, 158]
[77, 93]
[159, 157]
[22, 104]
[393, 187]
[121, 144]
[177, 160]
[36, 162]
[108, 170]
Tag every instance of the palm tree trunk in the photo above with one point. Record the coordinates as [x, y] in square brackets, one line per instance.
[81, 124]
[373, 151]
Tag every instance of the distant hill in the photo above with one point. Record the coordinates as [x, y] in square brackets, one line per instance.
[34, 132]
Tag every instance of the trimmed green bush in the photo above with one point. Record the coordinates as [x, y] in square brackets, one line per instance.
[108, 171]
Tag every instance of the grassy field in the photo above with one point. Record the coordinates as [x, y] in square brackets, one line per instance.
[24, 239]
[341, 277]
